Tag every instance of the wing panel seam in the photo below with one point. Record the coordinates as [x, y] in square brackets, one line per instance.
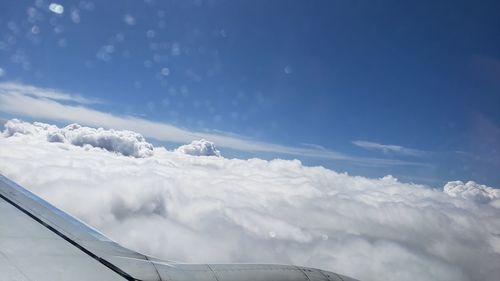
[213, 272]
[69, 240]
[303, 272]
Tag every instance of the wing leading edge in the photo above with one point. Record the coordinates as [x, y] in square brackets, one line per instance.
[40, 242]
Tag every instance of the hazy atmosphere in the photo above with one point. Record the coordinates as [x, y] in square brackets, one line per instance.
[361, 137]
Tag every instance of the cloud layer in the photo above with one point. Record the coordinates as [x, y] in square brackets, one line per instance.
[212, 209]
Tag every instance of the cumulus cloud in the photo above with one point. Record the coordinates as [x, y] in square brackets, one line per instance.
[389, 148]
[472, 191]
[212, 209]
[199, 148]
[124, 142]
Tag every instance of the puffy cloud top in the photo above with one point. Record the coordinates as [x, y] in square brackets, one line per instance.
[471, 191]
[199, 148]
[212, 209]
[124, 142]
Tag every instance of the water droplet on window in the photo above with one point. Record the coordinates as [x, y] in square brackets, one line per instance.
[120, 37]
[35, 29]
[39, 3]
[59, 29]
[151, 33]
[109, 49]
[176, 49]
[162, 24]
[12, 26]
[32, 14]
[165, 71]
[128, 19]
[75, 16]
[126, 54]
[62, 42]
[56, 8]
[86, 5]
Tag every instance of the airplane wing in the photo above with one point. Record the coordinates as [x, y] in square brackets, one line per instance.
[39, 242]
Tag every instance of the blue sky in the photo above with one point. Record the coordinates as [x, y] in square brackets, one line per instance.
[408, 89]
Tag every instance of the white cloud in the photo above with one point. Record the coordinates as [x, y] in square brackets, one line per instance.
[212, 209]
[199, 148]
[10, 88]
[127, 143]
[389, 148]
[34, 102]
[472, 191]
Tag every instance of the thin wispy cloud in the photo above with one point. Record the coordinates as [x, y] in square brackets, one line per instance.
[22, 89]
[390, 148]
[30, 101]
